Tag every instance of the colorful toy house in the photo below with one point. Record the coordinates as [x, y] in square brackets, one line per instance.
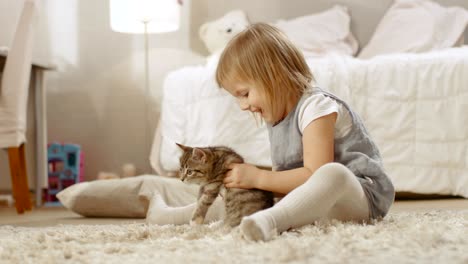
[65, 168]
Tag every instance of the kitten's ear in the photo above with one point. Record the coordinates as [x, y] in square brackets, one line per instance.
[184, 148]
[199, 154]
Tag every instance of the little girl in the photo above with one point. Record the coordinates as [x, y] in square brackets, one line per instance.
[324, 160]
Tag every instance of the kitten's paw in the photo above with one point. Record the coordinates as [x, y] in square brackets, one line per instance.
[196, 221]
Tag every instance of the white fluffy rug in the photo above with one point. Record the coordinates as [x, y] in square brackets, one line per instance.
[435, 237]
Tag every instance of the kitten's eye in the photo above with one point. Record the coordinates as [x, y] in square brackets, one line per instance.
[246, 94]
[189, 172]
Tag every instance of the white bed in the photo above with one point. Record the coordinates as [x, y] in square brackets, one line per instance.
[414, 105]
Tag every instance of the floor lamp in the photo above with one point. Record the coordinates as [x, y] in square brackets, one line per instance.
[145, 17]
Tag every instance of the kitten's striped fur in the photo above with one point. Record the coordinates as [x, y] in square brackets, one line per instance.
[207, 167]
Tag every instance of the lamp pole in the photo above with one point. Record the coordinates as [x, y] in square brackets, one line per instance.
[147, 90]
[127, 16]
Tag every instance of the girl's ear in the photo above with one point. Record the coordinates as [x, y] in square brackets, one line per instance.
[184, 148]
[199, 155]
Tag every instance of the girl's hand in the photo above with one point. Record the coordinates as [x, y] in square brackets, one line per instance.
[242, 175]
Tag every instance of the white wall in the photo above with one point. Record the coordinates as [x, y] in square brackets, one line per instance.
[96, 98]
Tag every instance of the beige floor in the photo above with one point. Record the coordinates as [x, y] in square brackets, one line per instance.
[58, 215]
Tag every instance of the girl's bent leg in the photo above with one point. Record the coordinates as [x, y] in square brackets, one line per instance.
[332, 192]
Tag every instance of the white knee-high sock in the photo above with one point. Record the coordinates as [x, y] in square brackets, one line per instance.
[304, 205]
[161, 214]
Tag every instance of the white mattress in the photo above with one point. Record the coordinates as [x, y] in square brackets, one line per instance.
[414, 106]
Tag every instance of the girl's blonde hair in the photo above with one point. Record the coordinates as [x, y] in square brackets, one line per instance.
[262, 56]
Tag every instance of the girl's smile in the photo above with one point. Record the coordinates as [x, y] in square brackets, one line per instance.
[250, 99]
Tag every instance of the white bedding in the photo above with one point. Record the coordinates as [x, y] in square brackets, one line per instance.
[415, 107]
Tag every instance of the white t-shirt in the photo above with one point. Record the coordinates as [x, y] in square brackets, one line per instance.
[318, 105]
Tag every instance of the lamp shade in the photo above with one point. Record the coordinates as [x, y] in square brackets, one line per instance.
[128, 16]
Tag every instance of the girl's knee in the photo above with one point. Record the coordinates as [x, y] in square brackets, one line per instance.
[335, 173]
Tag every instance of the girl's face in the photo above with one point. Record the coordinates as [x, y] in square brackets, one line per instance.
[251, 99]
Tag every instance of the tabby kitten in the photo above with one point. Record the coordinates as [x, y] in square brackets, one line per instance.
[207, 167]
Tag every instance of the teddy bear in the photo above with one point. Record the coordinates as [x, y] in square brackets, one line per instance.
[217, 33]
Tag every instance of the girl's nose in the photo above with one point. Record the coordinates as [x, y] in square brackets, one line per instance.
[253, 109]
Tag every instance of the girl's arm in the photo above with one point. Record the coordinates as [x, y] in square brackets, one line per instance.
[318, 146]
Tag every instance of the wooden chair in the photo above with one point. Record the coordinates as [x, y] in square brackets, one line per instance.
[13, 103]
